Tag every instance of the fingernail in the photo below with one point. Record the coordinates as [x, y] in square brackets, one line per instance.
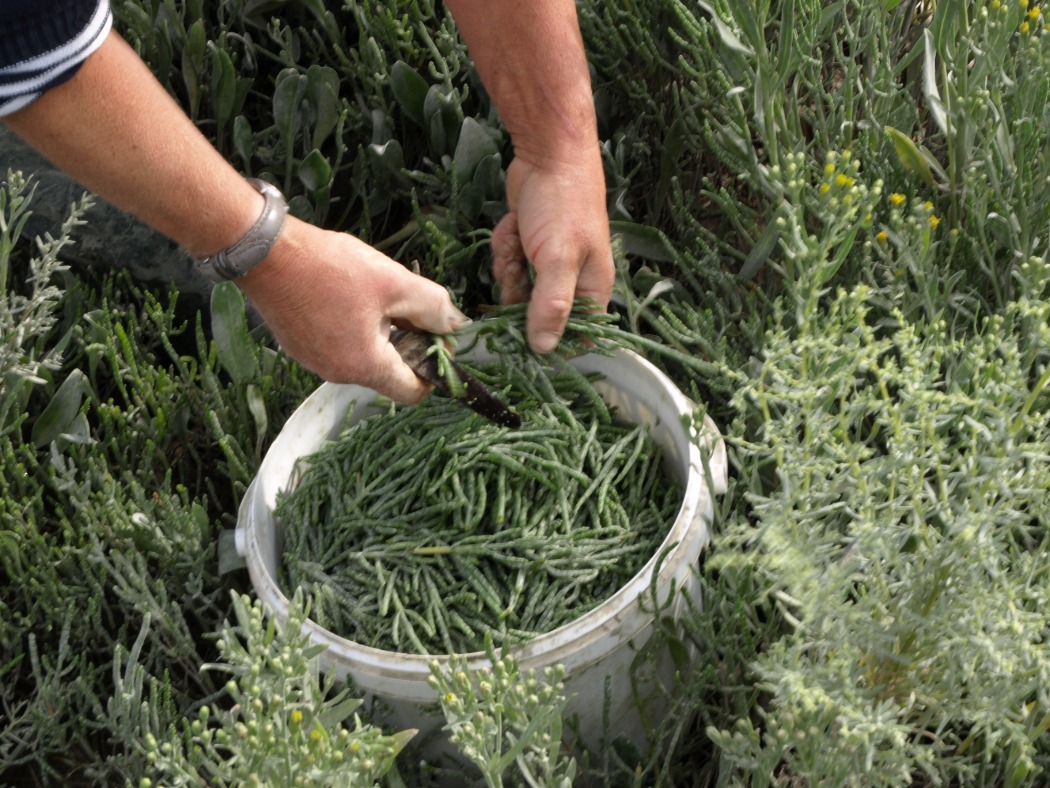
[545, 341]
[459, 318]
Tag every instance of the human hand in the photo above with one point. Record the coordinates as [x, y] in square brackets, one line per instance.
[557, 221]
[331, 301]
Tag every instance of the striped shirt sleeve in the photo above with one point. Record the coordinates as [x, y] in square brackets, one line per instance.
[44, 42]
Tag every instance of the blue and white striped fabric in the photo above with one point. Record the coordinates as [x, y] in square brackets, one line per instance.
[44, 42]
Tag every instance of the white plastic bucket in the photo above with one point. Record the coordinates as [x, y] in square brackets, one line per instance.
[601, 643]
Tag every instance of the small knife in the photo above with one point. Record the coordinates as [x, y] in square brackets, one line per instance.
[412, 346]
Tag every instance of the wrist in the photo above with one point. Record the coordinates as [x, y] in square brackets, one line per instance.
[253, 247]
[286, 268]
[569, 146]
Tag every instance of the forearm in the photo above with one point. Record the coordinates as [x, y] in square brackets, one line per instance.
[530, 56]
[116, 130]
[329, 299]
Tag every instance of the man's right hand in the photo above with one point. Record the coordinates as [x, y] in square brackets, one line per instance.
[331, 302]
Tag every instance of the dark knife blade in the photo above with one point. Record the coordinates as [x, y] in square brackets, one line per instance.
[412, 346]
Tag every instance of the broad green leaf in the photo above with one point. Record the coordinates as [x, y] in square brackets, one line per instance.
[196, 41]
[59, 348]
[910, 157]
[676, 647]
[1005, 229]
[759, 101]
[475, 143]
[410, 90]
[470, 201]
[905, 61]
[760, 252]
[193, 65]
[729, 38]
[398, 741]
[743, 12]
[829, 16]
[243, 86]
[644, 241]
[233, 343]
[389, 155]
[671, 147]
[734, 143]
[229, 559]
[315, 171]
[789, 57]
[442, 119]
[663, 287]
[335, 713]
[314, 651]
[61, 412]
[14, 566]
[78, 431]
[301, 207]
[322, 90]
[257, 407]
[939, 175]
[929, 84]
[267, 357]
[627, 751]
[243, 140]
[942, 29]
[490, 178]
[825, 275]
[542, 717]
[16, 392]
[319, 9]
[1004, 144]
[287, 100]
[223, 85]
[382, 131]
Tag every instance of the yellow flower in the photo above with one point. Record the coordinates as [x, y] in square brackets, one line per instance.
[897, 198]
[829, 168]
[843, 180]
[1024, 27]
[928, 205]
[824, 188]
[296, 717]
[1023, 3]
[1034, 14]
[995, 5]
[934, 221]
[881, 236]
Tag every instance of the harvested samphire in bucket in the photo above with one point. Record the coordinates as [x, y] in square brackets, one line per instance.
[423, 529]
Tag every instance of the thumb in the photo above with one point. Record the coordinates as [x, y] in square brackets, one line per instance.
[396, 379]
[427, 306]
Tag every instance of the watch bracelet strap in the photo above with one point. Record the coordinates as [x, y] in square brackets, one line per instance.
[235, 261]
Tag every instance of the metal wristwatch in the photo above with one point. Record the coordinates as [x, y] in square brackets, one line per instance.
[237, 260]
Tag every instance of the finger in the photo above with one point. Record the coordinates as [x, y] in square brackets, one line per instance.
[427, 306]
[596, 279]
[509, 266]
[395, 379]
[549, 306]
